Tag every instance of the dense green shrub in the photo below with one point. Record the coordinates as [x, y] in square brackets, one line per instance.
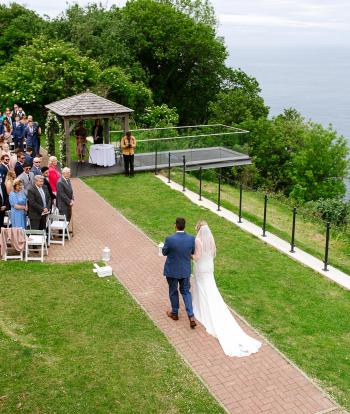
[334, 210]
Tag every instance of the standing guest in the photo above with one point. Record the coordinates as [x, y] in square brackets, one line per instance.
[14, 158]
[9, 181]
[6, 130]
[14, 112]
[4, 166]
[3, 203]
[54, 174]
[80, 133]
[18, 204]
[21, 159]
[21, 113]
[38, 204]
[97, 132]
[8, 116]
[128, 144]
[18, 132]
[45, 172]
[36, 169]
[29, 155]
[27, 177]
[32, 135]
[5, 150]
[65, 198]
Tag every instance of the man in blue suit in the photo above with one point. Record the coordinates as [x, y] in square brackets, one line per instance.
[177, 269]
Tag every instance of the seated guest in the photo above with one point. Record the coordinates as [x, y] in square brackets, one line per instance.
[18, 204]
[97, 131]
[65, 198]
[18, 133]
[9, 181]
[27, 177]
[80, 133]
[45, 172]
[36, 169]
[54, 174]
[29, 155]
[4, 166]
[5, 150]
[38, 203]
[6, 130]
[3, 203]
[14, 159]
[21, 159]
[21, 113]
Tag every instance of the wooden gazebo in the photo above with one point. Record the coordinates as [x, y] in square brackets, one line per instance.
[87, 105]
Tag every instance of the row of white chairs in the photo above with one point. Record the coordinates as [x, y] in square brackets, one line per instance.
[39, 240]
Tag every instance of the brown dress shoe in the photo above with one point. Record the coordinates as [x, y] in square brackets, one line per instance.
[172, 316]
[193, 323]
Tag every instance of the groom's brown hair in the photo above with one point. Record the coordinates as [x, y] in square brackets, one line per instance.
[180, 223]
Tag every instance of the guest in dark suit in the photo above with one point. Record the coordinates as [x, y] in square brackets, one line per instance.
[18, 133]
[36, 169]
[45, 172]
[177, 269]
[4, 167]
[64, 195]
[21, 159]
[28, 156]
[32, 134]
[38, 204]
[97, 132]
[3, 203]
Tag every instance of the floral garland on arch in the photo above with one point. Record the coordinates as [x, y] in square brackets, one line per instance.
[54, 127]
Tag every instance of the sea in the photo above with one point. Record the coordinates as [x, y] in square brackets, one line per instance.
[313, 80]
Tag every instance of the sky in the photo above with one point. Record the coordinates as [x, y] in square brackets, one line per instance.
[255, 23]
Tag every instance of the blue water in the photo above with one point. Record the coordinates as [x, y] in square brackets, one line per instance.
[315, 81]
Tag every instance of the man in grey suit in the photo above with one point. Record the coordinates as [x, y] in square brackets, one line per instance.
[64, 196]
[27, 177]
[38, 203]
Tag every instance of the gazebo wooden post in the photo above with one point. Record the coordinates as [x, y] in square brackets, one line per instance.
[67, 130]
[126, 123]
[106, 129]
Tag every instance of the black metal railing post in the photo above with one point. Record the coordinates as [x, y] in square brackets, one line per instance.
[183, 172]
[219, 192]
[240, 203]
[265, 209]
[169, 155]
[328, 226]
[156, 161]
[292, 243]
[200, 183]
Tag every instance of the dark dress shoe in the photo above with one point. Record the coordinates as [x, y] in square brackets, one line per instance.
[172, 316]
[193, 323]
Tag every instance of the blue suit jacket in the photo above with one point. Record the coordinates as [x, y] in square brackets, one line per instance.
[178, 248]
[18, 131]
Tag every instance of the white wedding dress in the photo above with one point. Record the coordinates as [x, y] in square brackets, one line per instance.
[208, 305]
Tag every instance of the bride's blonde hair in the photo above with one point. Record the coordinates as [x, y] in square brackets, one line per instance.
[200, 224]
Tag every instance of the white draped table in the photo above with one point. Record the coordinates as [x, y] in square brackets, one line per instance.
[102, 154]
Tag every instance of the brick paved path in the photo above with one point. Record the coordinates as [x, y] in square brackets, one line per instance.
[262, 383]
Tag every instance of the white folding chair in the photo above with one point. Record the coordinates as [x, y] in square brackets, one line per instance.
[10, 251]
[7, 219]
[35, 242]
[58, 229]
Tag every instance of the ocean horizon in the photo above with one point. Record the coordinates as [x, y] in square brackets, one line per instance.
[313, 80]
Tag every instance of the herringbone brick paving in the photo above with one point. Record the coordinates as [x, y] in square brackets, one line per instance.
[261, 383]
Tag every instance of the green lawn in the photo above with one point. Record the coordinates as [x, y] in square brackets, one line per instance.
[71, 342]
[303, 314]
[310, 233]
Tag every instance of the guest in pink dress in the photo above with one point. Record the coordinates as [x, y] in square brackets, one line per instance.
[54, 174]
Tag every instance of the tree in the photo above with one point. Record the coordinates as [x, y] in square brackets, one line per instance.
[184, 59]
[44, 72]
[119, 87]
[238, 100]
[18, 26]
[159, 117]
[320, 165]
[201, 11]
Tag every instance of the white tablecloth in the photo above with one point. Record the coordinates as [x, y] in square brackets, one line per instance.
[102, 154]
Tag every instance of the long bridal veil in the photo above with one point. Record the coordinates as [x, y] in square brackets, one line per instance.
[208, 305]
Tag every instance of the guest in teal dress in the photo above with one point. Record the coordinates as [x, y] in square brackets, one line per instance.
[18, 203]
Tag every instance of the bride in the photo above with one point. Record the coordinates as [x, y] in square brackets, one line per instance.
[208, 305]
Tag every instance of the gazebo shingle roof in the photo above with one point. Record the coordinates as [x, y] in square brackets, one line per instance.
[87, 104]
